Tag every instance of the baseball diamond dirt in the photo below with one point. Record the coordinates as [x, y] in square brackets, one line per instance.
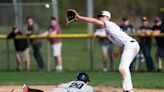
[8, 88]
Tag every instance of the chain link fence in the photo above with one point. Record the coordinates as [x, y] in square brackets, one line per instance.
[75, 51]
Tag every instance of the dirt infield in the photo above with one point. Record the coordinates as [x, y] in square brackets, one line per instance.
[8, 88]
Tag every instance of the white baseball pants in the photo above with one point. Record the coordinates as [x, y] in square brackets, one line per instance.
[130, 51]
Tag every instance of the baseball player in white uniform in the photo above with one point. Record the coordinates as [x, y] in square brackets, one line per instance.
[130, 46]
[79, 85]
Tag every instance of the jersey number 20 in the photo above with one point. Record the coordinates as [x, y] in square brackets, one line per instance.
[76, 85]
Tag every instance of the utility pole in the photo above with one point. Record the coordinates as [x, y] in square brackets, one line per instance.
[18, 13]
[90, 31]
[55, 9]
[15, 4]
[20, 6]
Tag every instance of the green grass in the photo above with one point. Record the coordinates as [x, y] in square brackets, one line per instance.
[140, 80]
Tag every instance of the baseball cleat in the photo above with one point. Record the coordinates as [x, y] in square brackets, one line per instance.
[105, 70]
[59, 68]
[24, 88]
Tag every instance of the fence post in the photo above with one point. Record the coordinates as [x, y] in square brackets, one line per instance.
[7, 55]
[55, 9]
[90, 31]
[48, 57]
[91, 54]
[15, 5]
[20, 14]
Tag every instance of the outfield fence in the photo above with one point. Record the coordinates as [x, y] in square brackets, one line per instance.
[62, 36]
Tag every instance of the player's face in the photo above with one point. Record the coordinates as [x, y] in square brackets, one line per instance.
[30, 21]
[53, 22]
[158, 23]
[126, 22]
[145, 23]
[16, 30]
[104, 18]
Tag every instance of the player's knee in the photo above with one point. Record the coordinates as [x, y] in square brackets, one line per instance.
[122, 70]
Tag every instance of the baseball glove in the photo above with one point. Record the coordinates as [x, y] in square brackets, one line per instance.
[71, 15]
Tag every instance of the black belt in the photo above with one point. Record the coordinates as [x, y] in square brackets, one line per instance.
[132, 41]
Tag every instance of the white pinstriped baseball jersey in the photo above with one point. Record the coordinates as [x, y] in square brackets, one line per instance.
[74, 86]
[115, 34]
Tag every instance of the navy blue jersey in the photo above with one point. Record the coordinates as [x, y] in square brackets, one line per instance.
[145, 40]
[159, 40]
[128, 28]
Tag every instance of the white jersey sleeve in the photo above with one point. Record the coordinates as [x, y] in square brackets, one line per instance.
[115, 34]
[100, 32]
